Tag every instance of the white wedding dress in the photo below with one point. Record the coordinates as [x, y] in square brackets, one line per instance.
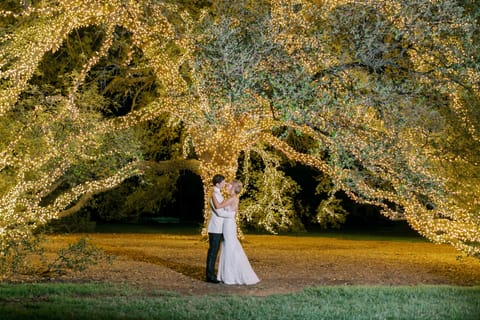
[234, 267]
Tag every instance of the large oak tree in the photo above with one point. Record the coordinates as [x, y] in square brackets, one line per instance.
[385, 93]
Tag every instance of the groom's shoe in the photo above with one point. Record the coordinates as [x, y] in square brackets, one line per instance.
[213, 280]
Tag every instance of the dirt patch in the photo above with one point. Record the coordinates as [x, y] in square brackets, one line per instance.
[283, 263]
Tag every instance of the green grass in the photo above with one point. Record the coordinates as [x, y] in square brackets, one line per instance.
[150, 228]
[106, 301]
[395, 232]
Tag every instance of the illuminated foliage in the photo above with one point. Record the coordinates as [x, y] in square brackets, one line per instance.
[391, 79]
[269, 202]
[387, 92]
[377, 85]
[57, 148]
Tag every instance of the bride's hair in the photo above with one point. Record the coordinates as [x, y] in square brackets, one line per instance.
[236, 186]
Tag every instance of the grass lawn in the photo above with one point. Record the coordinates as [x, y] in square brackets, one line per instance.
[107, 301]
[158, 273]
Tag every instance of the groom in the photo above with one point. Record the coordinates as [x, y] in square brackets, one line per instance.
[215, 228]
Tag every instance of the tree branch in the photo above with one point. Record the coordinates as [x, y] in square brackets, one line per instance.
[159, 167]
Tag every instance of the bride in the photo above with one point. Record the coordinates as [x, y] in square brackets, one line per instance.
[234, 267]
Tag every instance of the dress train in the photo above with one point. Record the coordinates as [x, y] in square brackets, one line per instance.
[234, 267]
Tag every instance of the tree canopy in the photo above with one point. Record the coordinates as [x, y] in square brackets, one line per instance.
[383, 94]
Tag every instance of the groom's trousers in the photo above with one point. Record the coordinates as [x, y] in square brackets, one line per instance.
[214, 240]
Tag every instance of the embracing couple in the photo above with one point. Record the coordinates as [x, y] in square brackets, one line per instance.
[233, 267]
